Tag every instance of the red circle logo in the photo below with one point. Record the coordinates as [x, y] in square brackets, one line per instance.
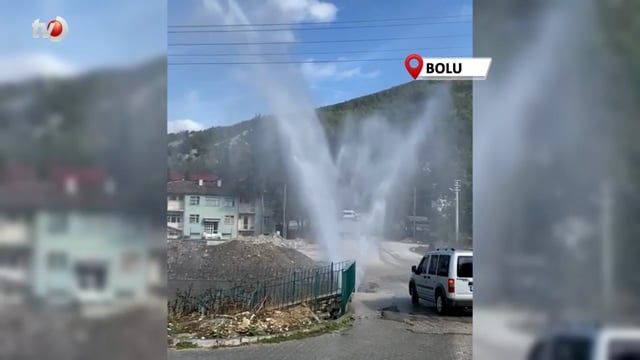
[55, 28]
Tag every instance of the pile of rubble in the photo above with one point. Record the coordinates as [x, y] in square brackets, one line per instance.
[245, 324]
[276, 240]
[236, 261]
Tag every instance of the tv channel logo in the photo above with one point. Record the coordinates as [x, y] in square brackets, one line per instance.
[55, 30]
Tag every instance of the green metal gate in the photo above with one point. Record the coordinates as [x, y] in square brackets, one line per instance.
[348, 286]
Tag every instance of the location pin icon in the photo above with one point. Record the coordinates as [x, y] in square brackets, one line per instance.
[413, 71]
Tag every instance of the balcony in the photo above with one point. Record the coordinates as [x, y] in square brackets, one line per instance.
[246, 228]
[175, 225]
[175, 205]
[247, 208]
[14, 233]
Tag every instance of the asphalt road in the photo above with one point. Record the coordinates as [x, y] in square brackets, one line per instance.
[367, 339]
[388, 326]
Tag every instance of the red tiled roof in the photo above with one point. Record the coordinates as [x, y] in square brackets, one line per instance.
[18, 173]
[175, 176]
[41, 195]
[59, 174]
[204, 177]
[193, 188]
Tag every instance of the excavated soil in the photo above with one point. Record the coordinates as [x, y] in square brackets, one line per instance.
[233, 262]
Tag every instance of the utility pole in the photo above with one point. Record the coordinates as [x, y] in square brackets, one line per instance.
[607, 253]
[262, 212]
[414, 213]
[284, 213]
[456, 189]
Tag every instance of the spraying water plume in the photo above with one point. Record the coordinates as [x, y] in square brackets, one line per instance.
[375, 157]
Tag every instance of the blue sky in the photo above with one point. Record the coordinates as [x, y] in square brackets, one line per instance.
[122, 32]
[101, 33]
[202, 96]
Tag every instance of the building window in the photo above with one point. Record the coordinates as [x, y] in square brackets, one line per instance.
[57, 260]
[229, 202]
[211, 227]
[212, 201]
[194, 200]
[194, 219]
[174, 219]
[228, 220]
[266, 220]
[91, 276]
[58, 223]
[173, 198]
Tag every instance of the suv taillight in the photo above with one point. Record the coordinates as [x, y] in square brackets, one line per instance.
[452, 285]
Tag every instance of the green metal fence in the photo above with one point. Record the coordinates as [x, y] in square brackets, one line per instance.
[348, 286]
[297, 286]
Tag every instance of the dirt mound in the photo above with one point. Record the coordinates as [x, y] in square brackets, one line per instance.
[236, 261]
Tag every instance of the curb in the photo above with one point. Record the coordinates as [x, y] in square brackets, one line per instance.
[245, 340]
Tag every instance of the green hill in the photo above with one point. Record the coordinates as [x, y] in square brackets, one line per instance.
[215, 148]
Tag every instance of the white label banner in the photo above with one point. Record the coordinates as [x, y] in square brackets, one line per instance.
[454, 68]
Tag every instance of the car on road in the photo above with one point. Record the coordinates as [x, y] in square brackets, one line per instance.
[348, 223]
[443, 278]
[587, 342]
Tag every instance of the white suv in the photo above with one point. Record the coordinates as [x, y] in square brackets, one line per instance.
[587, 342]
[444, 277]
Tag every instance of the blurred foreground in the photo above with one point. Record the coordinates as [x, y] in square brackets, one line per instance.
[557, 191]
[82, 241]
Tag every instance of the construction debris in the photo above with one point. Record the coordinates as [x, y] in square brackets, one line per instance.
[245, 324]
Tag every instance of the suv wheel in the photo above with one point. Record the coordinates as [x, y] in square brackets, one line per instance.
[415, 300]
[441, 305]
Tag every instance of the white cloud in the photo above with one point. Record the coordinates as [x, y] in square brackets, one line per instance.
[300, 10]
[331, 71]
[176, 126]
[269, 11]
[27, 66]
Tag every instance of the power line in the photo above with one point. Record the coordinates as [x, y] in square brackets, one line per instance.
[321, 41]
[407, 50]
[327, 22]
[191, 31]
[286, 62]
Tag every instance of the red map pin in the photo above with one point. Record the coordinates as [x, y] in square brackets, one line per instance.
[413, 71]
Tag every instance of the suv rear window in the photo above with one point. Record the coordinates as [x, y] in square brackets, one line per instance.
[465, 266]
